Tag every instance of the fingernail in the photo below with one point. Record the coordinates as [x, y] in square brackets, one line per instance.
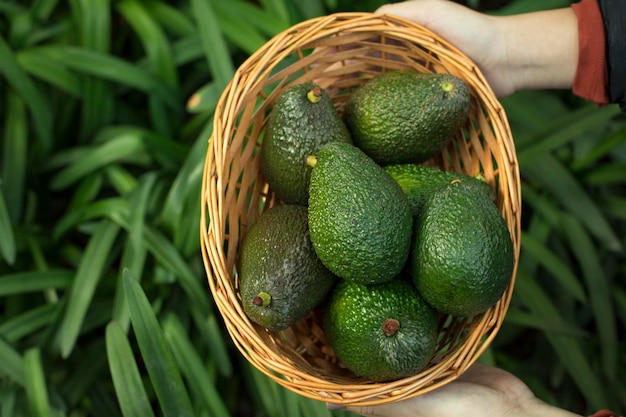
[333, 406]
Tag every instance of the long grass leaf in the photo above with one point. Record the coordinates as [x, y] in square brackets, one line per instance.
[7, 238]
[36, 387]
[114, 208]
[186, 182]
[159, 361]
[129, 388]
[30, 93]
[88, 274]
[11, 363]
[42, 9]
[127, 145]
[602, 148]
[567, 348]
[28, 322]
[192, 367]
[170, 257]
[8, 399]
[554, 178]
[545, 324]
[172, 18]
[215, 48]
[153, 40]
[265, 20]
[133, 259]
[277, 8]
[94, 17]
[112, 68]
[609, 173]
[41, 66]
[14, 156]
[564, 130]
[139, 203]
[33, 281]
[559, 269]
[599, 289]
[217, 346]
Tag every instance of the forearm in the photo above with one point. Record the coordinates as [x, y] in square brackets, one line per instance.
[541, 48]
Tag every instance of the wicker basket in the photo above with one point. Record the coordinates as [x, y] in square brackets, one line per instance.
[340, 52]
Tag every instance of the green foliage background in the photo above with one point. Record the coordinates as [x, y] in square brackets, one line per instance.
[104, 307]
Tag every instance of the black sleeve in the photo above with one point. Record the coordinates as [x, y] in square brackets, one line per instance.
[614, 17]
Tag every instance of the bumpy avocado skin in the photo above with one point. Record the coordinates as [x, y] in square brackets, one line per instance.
[462, 257]
[297, 126]
[419, 182]
[406, 116]
[277, 258]
[359, 217]
[355, 321]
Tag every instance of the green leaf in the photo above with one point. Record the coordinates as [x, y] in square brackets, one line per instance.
[558, 268]
[158, 358]
[41, 66]
[129, 387]
[192, 367]
[80, 295]
[32, 96]
[11, 363]
[126, 145]
[216, 344]
[564, 130]
[215, 48]
[171, 18]
[267, 21]
[112, 68]
[153, 40]
[569, 351]
[33, 281]
[599, 289]
[14, 158]
[7, 238]
[28, 322]
[602, 148]
[205, 99]
[608, 173]
[94, 18]
[550, 175]
[170, 257]
[36, 389]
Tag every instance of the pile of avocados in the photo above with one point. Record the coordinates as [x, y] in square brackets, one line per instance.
[383, 243]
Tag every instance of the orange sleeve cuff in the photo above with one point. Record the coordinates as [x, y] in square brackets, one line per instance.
[604, 413]
[591, 78]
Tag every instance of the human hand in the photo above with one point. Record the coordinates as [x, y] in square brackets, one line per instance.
[482, 391]
[525, 51]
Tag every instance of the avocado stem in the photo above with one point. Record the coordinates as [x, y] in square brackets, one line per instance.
[391, 327]
[314, 95]
[263, 299]
[447, 86]
[311, 161]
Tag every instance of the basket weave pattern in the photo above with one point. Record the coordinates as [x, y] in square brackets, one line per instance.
[340, 52]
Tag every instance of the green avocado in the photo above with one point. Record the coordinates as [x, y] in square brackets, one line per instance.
[302, 119]
[419, 181]
[383, 331]
[462, 256]
[406, 116]
[359, 218]
[281, 278]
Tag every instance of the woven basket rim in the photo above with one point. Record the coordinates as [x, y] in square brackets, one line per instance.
[245, 335]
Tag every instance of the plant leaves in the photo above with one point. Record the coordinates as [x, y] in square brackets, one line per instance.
[129, 388]
[159, 361]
